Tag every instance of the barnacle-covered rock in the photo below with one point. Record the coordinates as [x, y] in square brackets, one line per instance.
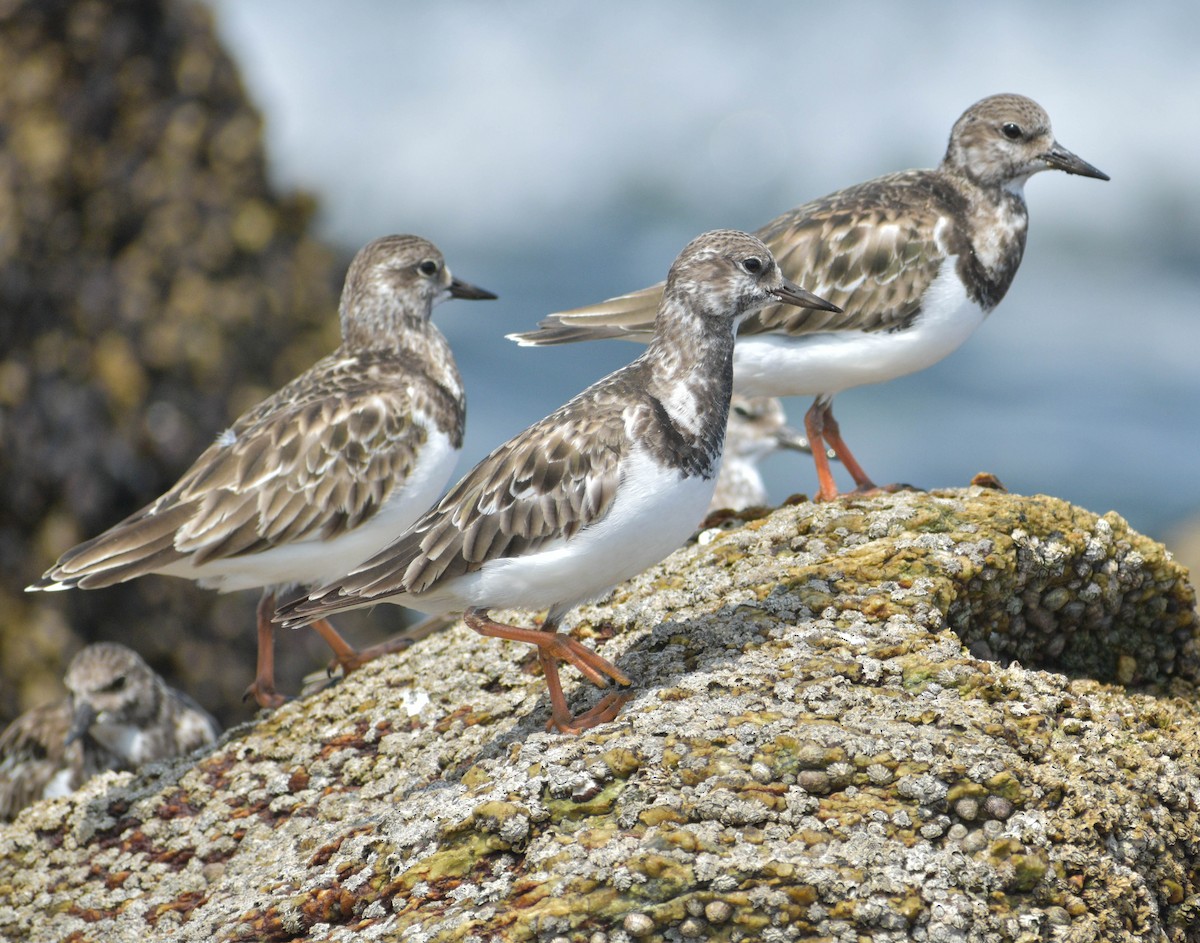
[831, 739]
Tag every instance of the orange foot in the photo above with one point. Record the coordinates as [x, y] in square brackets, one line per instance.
[610, 705]
[265, 694]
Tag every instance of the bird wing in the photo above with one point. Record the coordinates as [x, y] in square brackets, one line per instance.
[194, 727]
[871, 249]
[543, 485]
[312, 462]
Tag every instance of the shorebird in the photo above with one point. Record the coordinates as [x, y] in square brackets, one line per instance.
[326, 470]
[600, 489]
[119, 714]
[916, 260]
[757, 428]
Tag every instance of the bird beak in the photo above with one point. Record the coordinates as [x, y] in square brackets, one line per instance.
[1060, 158]
[460, 289]
[788, 438]
[793, 439]
[791, 293]
[85, 714]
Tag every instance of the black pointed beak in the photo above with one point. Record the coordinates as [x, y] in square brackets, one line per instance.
[461, 289]
[1060, 158]
[81, 722]
[791, 293]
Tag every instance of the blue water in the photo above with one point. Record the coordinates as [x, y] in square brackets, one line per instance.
[560, 153]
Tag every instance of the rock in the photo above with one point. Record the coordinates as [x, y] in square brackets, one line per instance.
[154, 284]
[954, 798]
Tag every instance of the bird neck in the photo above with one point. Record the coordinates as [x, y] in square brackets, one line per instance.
[381, 324]
[995, 222]
[689, 375]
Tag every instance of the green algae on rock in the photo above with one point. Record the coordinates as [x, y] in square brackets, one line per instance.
[816, 751]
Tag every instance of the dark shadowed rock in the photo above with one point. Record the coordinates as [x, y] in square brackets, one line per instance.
[813, 753]
[153, 284]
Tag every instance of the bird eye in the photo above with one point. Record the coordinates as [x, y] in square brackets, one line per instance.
[428, 267]
[742, 411]
[753, 265]
[117, 684]
[1011, 131]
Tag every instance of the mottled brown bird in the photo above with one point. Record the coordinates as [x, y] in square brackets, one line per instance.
[594, 493]
[118, 715]
[915, 260]
[324, 472]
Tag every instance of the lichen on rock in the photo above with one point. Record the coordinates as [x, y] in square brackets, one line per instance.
[814, 751]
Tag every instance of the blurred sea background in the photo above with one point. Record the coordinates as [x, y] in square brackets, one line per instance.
[563, 152]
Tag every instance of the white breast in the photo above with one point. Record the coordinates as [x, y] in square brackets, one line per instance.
[654, 512]
[60, 784]
[129, 742]
[740, 484]
[779, 365]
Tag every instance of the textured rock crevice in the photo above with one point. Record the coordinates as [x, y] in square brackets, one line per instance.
[814, 752]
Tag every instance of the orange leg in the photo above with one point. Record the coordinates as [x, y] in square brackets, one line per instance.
[814, 427]
[561, 718]
[262, 689]
[349, 659]
[553, 648]
[346, 655]
[833, 436]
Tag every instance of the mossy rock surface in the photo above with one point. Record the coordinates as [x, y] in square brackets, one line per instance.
[818, 749]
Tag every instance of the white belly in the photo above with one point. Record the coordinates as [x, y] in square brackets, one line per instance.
[315, 562]
[653, 514]
[126, 741]
[779, 365]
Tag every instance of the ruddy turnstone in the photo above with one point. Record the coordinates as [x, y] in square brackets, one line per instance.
[326, 470]
[119, 714]
[597, 491]
[917, 260]
[757, 428]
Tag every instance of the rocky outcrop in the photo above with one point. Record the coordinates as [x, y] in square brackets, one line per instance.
[963, 715]
[153, 285]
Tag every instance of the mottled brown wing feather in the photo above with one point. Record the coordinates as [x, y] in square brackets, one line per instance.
[875, 262]
[313, 472]
[311, 462]
[870, 249]
[536, 488]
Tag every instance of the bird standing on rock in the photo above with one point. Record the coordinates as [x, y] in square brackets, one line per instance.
[119, 714]
[600, 489]
[916, 260]
[326, 470]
